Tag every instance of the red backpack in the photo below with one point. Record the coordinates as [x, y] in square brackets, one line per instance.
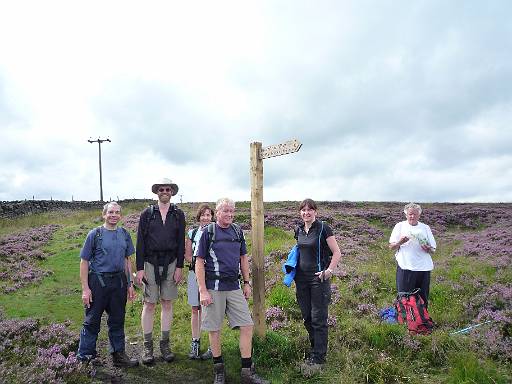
[412, 311]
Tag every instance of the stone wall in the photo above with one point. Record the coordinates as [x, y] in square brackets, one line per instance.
[11, 209]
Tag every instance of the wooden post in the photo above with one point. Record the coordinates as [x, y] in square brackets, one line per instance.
[258, 257]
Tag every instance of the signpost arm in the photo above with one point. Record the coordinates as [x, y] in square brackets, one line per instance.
[258, 261]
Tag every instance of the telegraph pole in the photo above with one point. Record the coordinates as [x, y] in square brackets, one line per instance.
[258, 154]
[99, 141]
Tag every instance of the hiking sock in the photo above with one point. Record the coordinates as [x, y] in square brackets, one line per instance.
[217, 360]
[148, 337]
[165, 335]
[246, 362]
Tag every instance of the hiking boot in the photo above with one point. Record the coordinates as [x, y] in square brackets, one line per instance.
[220, 374]
[147, 353]
[249, 376]
[310, 367]
[207, 355]
[84, 360]
[194, 350]
[165, 350]
[121, 359]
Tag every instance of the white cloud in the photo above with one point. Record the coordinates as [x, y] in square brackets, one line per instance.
[398, 101]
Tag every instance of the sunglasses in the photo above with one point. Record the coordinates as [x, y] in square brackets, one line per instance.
[164, 189]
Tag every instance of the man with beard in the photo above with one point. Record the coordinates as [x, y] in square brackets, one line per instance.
[159, 258]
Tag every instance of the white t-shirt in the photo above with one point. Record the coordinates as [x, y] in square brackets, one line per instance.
[195, 242]
[410, 255]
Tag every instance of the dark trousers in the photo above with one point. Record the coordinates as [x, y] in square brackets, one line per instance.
[408, 281]
[314, 297]
[110, 299]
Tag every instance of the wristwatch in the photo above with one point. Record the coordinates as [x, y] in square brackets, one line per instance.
[247, 282]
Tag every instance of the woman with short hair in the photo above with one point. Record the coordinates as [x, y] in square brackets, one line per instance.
[414, 245]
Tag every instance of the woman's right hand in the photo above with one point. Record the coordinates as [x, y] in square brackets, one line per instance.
[141, 275]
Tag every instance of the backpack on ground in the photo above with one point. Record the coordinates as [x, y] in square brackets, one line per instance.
[412, 312]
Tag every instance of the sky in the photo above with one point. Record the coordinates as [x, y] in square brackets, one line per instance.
[391, 100]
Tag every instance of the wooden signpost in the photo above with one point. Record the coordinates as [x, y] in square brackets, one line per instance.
[258, 258]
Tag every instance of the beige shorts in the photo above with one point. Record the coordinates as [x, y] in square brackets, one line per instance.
[226, 303]
[167, 290]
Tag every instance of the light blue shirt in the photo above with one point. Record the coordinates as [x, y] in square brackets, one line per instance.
[108, 253]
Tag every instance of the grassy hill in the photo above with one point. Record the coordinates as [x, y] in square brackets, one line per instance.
[41, 311]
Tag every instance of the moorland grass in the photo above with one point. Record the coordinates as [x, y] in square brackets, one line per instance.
[361, 348]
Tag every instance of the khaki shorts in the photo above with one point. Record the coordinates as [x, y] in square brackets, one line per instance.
[167, 290]
[226, 303]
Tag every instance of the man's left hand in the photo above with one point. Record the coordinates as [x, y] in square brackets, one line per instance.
[178, 275]
[247, 291]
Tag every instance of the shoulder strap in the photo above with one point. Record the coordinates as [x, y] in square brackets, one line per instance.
[150, 215]
[193, 239]
[319, 246]
[97, 242]
[97, 237]
[126, 233]
[151, 212]
[193, 235]
[211, 236]
[238, 231]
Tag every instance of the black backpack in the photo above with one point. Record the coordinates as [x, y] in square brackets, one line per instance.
[152, 216]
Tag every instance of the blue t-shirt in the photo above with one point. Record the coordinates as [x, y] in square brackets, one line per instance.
[223, 259]
[110, 251]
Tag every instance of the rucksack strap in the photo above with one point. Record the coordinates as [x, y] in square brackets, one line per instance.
[193, 238]
[212, 238]
[319, 246]
[192, 265]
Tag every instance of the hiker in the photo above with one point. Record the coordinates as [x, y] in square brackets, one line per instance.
[204, 216]
[105, 271]
[159, 259]
[319, 255]
[221, 256]
[414, 245]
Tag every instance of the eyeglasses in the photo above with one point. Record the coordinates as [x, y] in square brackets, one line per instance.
[164, 189]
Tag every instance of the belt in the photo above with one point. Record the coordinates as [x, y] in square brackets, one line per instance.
[101, 275]
[110, 274]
